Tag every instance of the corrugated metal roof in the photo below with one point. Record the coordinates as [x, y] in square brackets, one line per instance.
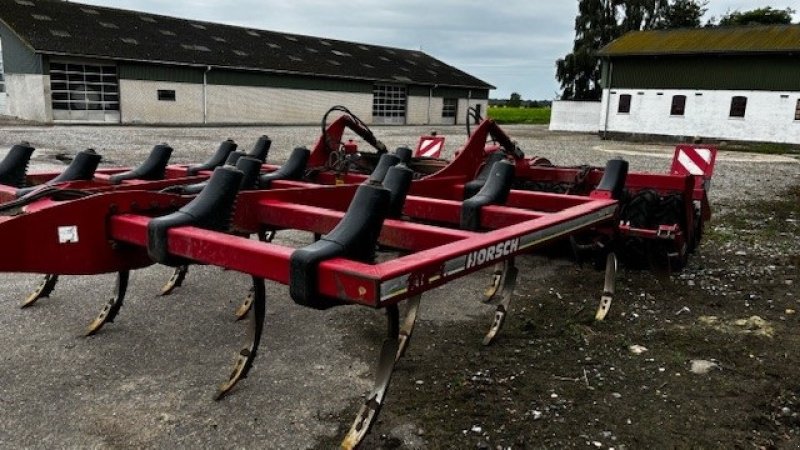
[749, 39]
[92, 31]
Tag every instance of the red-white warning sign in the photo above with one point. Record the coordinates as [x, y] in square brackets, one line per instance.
[429, 147]
[694, 160]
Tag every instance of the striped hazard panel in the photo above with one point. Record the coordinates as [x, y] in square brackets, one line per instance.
[430, 147]
[694, 160]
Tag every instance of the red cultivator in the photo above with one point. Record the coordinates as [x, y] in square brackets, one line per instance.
[447, 220]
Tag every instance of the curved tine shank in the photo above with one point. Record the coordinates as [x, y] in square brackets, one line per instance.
[245, 358]
[176, 280]
[497, 281]
[113, 306]
[244, 308]
[391, 351]
[407, 328]
[44, 289]
[507, 292]
[608, 287]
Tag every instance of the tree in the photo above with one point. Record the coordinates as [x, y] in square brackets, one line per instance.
[758, 16]
[683, 14]
[515, 101]
[601, 21]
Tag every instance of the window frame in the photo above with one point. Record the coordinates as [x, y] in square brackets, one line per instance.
[678, 106]
[449, 107]
[77, 86]
[389, 101]
[624, 103]
[167, 95]
[738, 108]
[797, 111]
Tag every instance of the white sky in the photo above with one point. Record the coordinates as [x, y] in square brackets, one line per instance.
[511, 44]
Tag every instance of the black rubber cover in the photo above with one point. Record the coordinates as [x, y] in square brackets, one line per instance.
[472, 187]
[218, 159]
[614, 178]
[386, 162]
[14, 166]
[153, 168]
[234, 157]
[354, 238]
[293, 169]
[211, 209]
[261, 149]
[251, 169]
[398, 182]
[494, 192]
[404, 153]
[81, 168]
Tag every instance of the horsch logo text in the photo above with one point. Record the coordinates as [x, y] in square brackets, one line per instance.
[489, 254]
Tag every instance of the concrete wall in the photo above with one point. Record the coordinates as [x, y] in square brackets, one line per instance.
[245, 104]
[138, 101]
[576, 116]
[28, 97]
[463, 104]
[769, 117]
[2, 103]
[242, 104]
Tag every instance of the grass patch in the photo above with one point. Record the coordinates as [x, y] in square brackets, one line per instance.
[766, 148]
[506, 115]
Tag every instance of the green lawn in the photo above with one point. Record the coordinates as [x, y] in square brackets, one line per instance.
[539, 116]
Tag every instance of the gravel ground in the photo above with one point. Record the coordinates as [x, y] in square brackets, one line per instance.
[147, 379]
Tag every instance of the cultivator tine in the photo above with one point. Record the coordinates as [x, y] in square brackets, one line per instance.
[393, 348]
[113, 306]
[45, 288]
[244, 360]
[176, 280]
[608, 287]
[503, 300]
[244, 308]
[494, 286]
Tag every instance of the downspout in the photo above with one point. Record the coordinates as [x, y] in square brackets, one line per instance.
[205, 94]
[608, 98]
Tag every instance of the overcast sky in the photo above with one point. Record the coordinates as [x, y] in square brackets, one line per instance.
[511, 44]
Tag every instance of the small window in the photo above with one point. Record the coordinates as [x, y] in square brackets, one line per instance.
[624, 104]
[678, 105]
[166, 95]
[797, 110]
[738, 106]
[449, 107]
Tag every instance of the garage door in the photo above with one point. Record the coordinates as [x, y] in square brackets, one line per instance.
[84, 92]
[389, 104]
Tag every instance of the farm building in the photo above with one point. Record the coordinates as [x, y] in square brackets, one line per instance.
[67, 62]
[737, 83]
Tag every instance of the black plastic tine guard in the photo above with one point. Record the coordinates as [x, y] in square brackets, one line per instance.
[495, 191]
[404, 153]
[293, 169]
[354, 237]
[261, 149]
[472, 187]
[233, 157]
[251, 169]
[14, 166]
[614, 178]
[398, 182]
[153, 168]
[211, 210]
[218, 159]
[386, 162]
[81, 168]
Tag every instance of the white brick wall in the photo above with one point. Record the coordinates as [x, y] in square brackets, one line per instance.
[463, 104]
[769, 116]
[575, 116]
[139, 102]
[28, 97]
[243, 104]
[2, 102]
